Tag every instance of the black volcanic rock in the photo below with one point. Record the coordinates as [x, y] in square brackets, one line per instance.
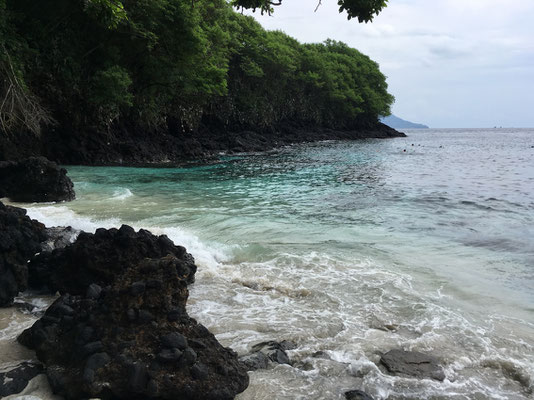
[412, 363]
[98, 258]
[35, 179]
[262, 354]
[16, 379]
[20, 239]
[104, 346]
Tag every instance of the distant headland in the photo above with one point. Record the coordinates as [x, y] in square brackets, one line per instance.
[399, 123]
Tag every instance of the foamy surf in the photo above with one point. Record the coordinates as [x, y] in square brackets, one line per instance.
[121, 194]
[349, 311]
[209, 257]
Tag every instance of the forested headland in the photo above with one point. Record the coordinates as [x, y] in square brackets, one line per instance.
[100, 81]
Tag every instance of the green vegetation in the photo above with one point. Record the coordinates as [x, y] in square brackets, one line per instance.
[157, 63]
[364, 10]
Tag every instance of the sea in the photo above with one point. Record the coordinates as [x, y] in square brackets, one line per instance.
[349, 249]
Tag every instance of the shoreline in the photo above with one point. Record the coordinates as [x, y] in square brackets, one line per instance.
[135, 147]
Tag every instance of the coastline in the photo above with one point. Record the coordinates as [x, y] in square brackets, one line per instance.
[132, 146]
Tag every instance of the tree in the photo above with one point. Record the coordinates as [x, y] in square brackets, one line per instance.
[156, 65]
[364, 10]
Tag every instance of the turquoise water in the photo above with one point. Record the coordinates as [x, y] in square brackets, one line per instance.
[351, 248]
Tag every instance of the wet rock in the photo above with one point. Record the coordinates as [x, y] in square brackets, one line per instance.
[255, 361]
[357, 395]
[35, 179]
[412, 363]
[20, 239]
[262, 353]
[98, 258]
[15, 380]
[59, 237]
[27, 308]
[102, 352]
[276, 351]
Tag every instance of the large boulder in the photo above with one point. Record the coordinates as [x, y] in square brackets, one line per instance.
[413, 363]
[134, 340]
[20, 239]
[34, 179]
[100, 257]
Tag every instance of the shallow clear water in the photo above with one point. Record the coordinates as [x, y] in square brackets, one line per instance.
[352, 249]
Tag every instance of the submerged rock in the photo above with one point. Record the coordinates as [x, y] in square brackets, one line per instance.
[264, 353]
[357, 395]
[412, 363]
[98, 258]
[16, 379]
[122, 342]
[20, 239]
[35, 179]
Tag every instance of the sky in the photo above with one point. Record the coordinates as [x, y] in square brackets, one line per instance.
[449, 63]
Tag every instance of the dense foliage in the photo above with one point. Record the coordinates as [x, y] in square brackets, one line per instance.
[157, 63]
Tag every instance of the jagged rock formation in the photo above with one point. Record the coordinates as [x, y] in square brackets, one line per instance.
[134, 340]
[35, 179]
[20, 239]
[100, 257]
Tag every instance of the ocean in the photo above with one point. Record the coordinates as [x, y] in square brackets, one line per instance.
[349, 249]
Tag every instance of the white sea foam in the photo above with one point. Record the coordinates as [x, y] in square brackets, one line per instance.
[121, 194]
[55, 215]
[208, 257]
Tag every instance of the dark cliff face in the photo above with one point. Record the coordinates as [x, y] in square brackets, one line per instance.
[131, 145]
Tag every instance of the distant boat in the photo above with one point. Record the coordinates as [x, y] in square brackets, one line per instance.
[399, 123]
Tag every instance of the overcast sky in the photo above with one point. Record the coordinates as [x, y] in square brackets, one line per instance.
[449, 63]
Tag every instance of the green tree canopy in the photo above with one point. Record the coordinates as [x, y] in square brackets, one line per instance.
[157, 63]
[363, 10]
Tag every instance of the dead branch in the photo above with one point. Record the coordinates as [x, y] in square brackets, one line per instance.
[18, 106]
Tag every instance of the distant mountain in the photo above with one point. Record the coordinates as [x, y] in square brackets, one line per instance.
[399, 123]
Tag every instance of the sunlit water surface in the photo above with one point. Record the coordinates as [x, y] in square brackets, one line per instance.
[352, 249]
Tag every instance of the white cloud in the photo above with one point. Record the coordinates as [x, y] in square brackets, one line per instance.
[449, 62]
